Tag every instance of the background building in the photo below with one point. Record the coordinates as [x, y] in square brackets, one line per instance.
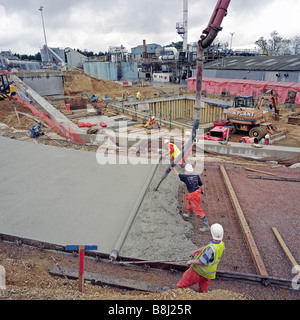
[263, 68]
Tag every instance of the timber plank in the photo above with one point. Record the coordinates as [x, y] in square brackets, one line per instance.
[256, 257]
[285, 249]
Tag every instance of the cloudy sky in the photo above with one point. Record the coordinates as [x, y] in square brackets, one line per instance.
[95, 25]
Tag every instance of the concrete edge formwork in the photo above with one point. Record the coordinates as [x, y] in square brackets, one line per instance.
[248, 150]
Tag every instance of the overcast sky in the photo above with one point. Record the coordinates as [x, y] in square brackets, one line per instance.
[95, 25]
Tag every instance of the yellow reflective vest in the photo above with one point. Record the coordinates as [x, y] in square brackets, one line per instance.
[176, 151]
[209, 271]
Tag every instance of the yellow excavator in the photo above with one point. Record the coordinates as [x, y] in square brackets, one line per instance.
[6, 88]
[252, 117]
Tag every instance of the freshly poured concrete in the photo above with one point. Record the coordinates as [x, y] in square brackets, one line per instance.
[64, 196]
[159, 231]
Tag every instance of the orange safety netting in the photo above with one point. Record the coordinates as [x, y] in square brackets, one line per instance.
[246, 87]
[64, 130]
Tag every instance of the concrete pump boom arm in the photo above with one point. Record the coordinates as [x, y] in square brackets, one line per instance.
[214, 25]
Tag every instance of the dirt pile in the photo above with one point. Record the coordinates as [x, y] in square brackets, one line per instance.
[8, 115]
[77, 82]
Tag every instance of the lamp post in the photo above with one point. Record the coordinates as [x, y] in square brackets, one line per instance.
[232, 33]
[46, 46]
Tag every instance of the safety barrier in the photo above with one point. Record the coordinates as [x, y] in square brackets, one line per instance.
[235, 87]
[64, 130]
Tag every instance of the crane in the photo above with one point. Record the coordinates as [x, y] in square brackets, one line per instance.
[206, 39]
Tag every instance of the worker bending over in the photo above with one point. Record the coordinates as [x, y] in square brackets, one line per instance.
[174, 152]
[152, 121]
[195, 189]
[203, 268]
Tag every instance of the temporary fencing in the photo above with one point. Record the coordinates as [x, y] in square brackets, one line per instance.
[61, 129]
[248, 87]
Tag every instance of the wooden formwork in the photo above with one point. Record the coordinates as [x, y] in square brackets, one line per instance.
[258, 262]
[177, 108]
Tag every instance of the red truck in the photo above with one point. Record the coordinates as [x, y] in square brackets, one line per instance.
[218, 133]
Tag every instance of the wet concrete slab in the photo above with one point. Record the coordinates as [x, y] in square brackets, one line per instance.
[65, 196]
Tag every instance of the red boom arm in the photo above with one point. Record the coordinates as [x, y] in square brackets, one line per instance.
[214, 25]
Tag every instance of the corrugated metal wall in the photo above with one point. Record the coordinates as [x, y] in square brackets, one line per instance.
[109, 70]
[292, 76]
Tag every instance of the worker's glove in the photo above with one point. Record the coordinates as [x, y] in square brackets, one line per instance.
[190, 262]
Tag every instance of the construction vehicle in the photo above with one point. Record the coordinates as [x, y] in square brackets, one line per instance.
[6, 88]
[93, 98]
[218, 133]
[252, 117]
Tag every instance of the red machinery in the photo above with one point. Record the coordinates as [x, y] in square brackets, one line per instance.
[218, 133]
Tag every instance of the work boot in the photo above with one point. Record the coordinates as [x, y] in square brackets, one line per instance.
[188, 215]
[206, 225]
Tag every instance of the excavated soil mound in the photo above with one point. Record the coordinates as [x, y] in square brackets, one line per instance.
[77, 82]
[8, 115]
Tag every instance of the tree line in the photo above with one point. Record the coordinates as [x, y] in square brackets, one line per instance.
[279, 45]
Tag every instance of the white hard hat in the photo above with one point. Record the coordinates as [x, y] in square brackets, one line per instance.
[267, 136]
[217, 231]
[188, 133]
[166, 141]
[153, 117]
[189, 167]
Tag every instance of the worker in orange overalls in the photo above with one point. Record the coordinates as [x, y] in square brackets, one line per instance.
[248, 140]
[195, 189]
[152, 121]
[203, 267]
[174, 151]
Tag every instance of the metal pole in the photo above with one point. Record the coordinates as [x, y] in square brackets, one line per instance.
[232, 33]
[41, 9]
[185, 25]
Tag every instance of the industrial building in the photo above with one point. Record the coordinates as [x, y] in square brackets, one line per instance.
[262, 68]
[10, 61]
[144, 51]
[58, 57]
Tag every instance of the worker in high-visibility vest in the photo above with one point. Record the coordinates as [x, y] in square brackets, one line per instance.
[266, 140]
[138, 95]
[203, 268]
[173, 150]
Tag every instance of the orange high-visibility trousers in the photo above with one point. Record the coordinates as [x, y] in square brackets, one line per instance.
[193, 202]
[191, 277]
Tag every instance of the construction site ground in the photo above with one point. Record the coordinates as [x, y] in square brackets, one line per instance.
[27, 269]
